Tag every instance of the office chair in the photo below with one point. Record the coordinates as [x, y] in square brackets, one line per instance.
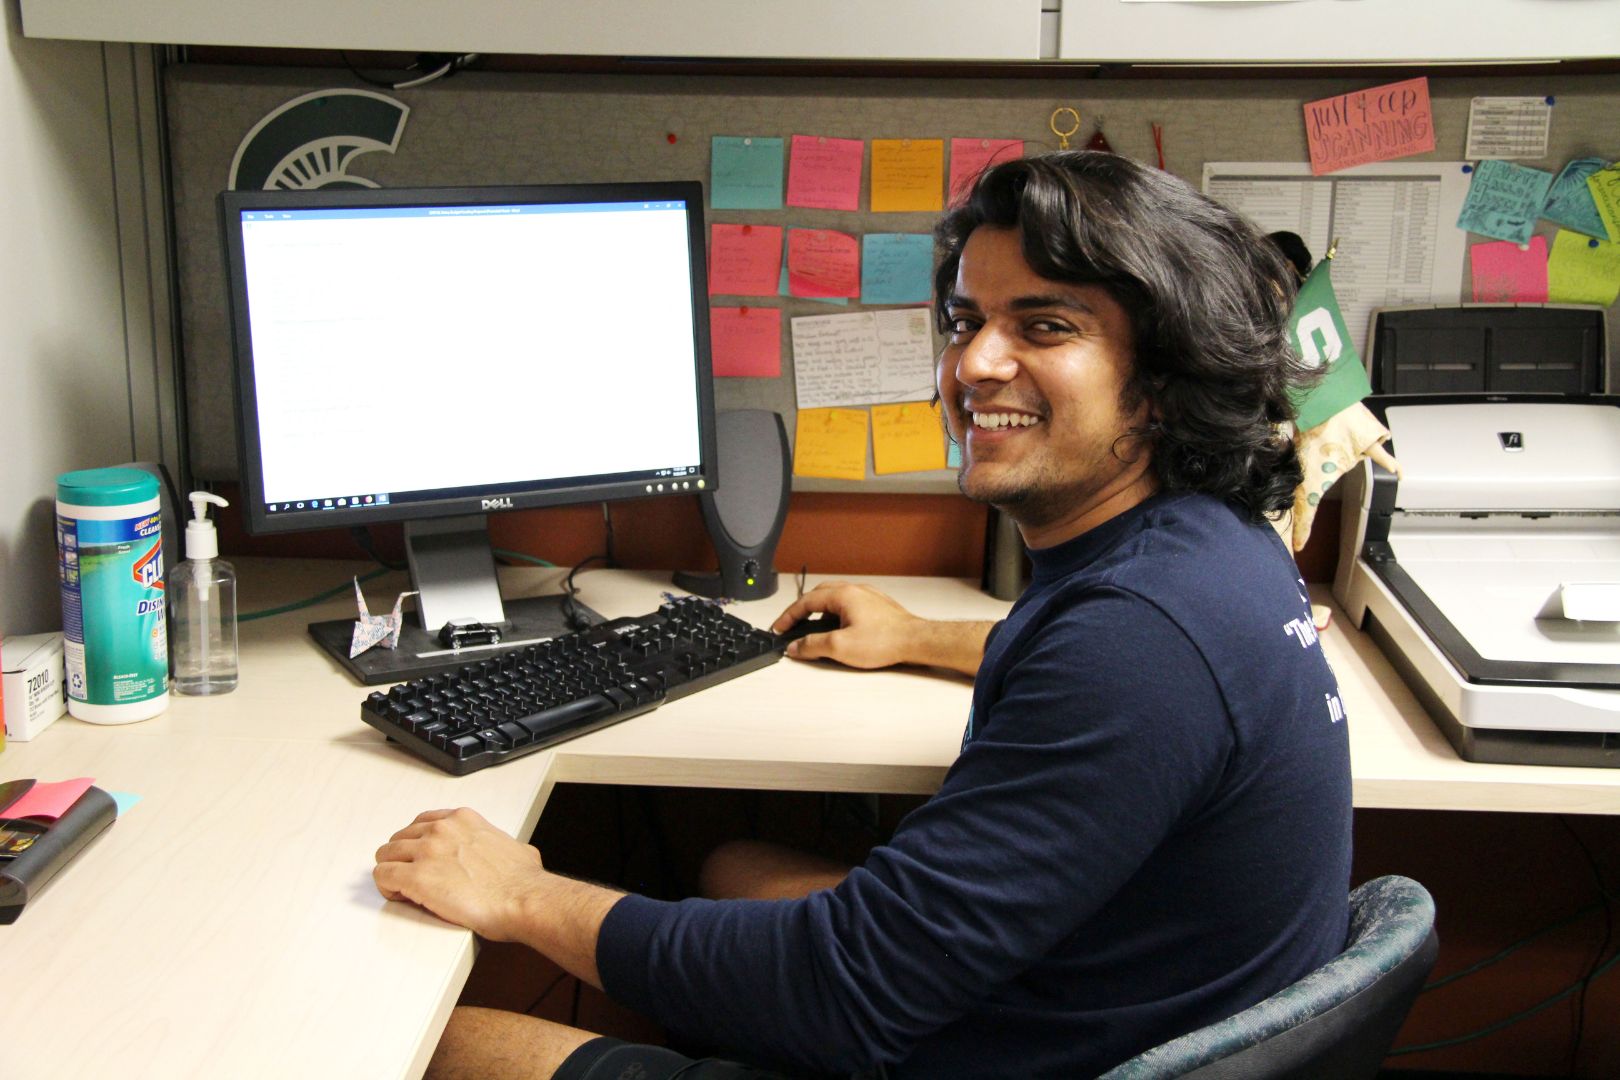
[1337, 1023]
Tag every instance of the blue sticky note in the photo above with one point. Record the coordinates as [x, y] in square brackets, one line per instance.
[1504, 201]
[953, 454]
[896, 268]
[745, 173]
[1569, 200]
[123, 800]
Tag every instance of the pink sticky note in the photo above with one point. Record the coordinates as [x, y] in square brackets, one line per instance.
[746, 341]
[823, 263]
[1377, 124]
[970, 157]
[825, 173]
[49, 800]
[1505, 275]
[745, 260]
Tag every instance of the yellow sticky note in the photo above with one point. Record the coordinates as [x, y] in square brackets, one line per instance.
[830, 443]
[907, 438]
[1605, 187]
[1581, 270]
[908, 174]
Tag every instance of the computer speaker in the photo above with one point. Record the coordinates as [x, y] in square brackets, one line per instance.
[744, 514]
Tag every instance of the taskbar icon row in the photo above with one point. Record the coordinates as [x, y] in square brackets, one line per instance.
[341, 502]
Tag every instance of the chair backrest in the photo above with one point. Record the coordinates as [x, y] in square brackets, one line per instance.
[1337, 1023]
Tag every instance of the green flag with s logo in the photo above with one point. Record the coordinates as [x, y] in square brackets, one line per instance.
[1319, 336]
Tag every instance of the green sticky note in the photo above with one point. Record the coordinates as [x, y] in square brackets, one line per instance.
[1319, 335]
[1583, 270]
[745, 173]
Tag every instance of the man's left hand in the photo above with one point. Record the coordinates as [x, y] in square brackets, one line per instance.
[463, 869]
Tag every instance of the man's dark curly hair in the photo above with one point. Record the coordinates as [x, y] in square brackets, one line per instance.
[1208, 298]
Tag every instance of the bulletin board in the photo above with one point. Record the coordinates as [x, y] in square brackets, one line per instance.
[518, 128]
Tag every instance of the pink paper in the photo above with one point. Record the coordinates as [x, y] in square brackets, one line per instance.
[48, 800]
[825, 173]
[823, 263]
[1505, 275]
[746, 341]
[1376, 124]
[745, 260]
[970, 157]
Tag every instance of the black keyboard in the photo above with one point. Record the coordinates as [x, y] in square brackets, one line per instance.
[511, 704]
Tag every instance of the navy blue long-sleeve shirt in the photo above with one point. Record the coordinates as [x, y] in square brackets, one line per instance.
[1148, 829]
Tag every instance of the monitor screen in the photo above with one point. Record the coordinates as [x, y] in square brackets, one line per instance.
[422, 353]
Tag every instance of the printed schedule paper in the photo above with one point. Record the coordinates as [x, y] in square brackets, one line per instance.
[1393, 221]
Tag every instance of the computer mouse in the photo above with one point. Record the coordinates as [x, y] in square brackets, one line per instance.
[823, 623]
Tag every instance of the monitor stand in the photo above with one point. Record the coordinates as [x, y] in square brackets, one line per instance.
[453, 574]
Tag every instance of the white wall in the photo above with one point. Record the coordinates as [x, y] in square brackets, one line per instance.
[69, 396]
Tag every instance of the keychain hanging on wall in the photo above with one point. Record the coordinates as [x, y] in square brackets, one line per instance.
[1071, 124]
[1098, 140]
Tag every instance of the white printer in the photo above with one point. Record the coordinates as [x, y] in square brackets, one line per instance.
[1489, 573]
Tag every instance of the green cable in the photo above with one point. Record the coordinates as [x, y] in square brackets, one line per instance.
[311, 601]
[1513, 948]
[503, 553]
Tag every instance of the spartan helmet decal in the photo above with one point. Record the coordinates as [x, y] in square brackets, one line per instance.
[310, 141]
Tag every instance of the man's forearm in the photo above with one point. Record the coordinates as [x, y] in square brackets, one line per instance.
[957, 645]
[561, 919]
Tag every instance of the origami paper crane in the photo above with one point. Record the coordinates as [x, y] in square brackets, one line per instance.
[371, 630]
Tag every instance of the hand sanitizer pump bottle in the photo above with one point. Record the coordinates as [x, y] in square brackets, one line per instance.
[202, 607]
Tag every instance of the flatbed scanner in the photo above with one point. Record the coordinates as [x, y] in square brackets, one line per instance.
[1489, 571]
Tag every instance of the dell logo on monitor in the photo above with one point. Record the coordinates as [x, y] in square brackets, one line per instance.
[1512, 441]
[496, 504]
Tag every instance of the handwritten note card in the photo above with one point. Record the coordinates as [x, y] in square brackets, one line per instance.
[830, 443]
[1504, 274]
[745, 173]
[1605, 188]
[881, 356]
[825, 173]
[744, 260]
[907, 438]
[746, 341]
[908, 174]
[1504, 201]
[1385, 122]
[1569, 200]
[970, 157]
[897, 268]
[1583, 270]
[823, 262]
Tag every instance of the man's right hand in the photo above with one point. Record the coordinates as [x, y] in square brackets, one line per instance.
[876, 632]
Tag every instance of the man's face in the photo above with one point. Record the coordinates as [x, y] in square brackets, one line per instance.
[1032, 383]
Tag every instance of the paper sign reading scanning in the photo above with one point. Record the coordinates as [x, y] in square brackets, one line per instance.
[746, 341]
[1581, 270]
[897, 268]
[907, 438]
[869, 356]
[49, 800]
[1569, 200]
[1504, 274]
[1508, 127]
[823, 262]
[830, 443]
[744, 260]
[825, 173]
[1384, 122]
[908, 174]
[1605, 188]
[1504, 201]
[970, 157]
[745, 173]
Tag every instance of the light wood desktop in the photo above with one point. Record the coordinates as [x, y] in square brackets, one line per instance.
[227, 924]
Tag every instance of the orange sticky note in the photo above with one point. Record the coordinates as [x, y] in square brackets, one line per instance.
[1378, 124]
[908, 174]
[823, 263]
[745, 260]
[970, 157]
[830, 443]
[1502, 274]
[907, 438]
[746, 341]
[825, 173]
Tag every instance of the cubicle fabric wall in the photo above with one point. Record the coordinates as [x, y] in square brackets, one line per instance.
[514, 128]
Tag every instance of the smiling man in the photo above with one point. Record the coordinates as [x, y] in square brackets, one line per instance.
[1148, 827]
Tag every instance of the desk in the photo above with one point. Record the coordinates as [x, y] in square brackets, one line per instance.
[227, 926]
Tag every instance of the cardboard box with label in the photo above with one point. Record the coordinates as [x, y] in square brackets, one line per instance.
[34, 692]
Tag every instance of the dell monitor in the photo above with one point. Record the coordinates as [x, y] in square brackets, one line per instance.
[432, 356]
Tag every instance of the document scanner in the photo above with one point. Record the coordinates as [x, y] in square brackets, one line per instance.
[1489, 572]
